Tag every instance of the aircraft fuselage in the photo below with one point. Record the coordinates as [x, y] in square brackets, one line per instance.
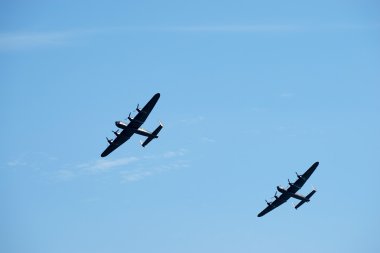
[293, 195]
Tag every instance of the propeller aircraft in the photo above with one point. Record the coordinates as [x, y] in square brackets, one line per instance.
[291, 192]
[134, 127]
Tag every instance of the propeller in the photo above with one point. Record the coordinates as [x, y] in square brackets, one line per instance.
[129, 117]
[116, 132]
[275, 196]
[299, 176]
[137, 108]
[289, 182]
[109, 140]
[268, 203]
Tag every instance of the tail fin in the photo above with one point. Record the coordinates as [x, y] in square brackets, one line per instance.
[307, 197]
[154, 135]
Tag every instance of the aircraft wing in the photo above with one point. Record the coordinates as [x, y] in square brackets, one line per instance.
[272, 205]
[120, 139]
[109, 149]
[143, 113]
[294, 187]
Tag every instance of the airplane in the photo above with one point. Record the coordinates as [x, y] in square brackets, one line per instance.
[290, 192]
[134, 127]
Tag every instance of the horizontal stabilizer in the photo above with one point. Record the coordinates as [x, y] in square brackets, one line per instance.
[307, 197]
[153, 135]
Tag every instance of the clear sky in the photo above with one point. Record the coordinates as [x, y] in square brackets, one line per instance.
[251, 91]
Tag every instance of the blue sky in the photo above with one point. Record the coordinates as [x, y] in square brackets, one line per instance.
[250, 93]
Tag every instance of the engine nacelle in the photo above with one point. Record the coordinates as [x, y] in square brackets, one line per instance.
[280, 189]
[300, 177]
[129, 117]
[121, 124]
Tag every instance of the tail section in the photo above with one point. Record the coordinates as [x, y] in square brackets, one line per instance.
[307, 197]
[153, 135]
